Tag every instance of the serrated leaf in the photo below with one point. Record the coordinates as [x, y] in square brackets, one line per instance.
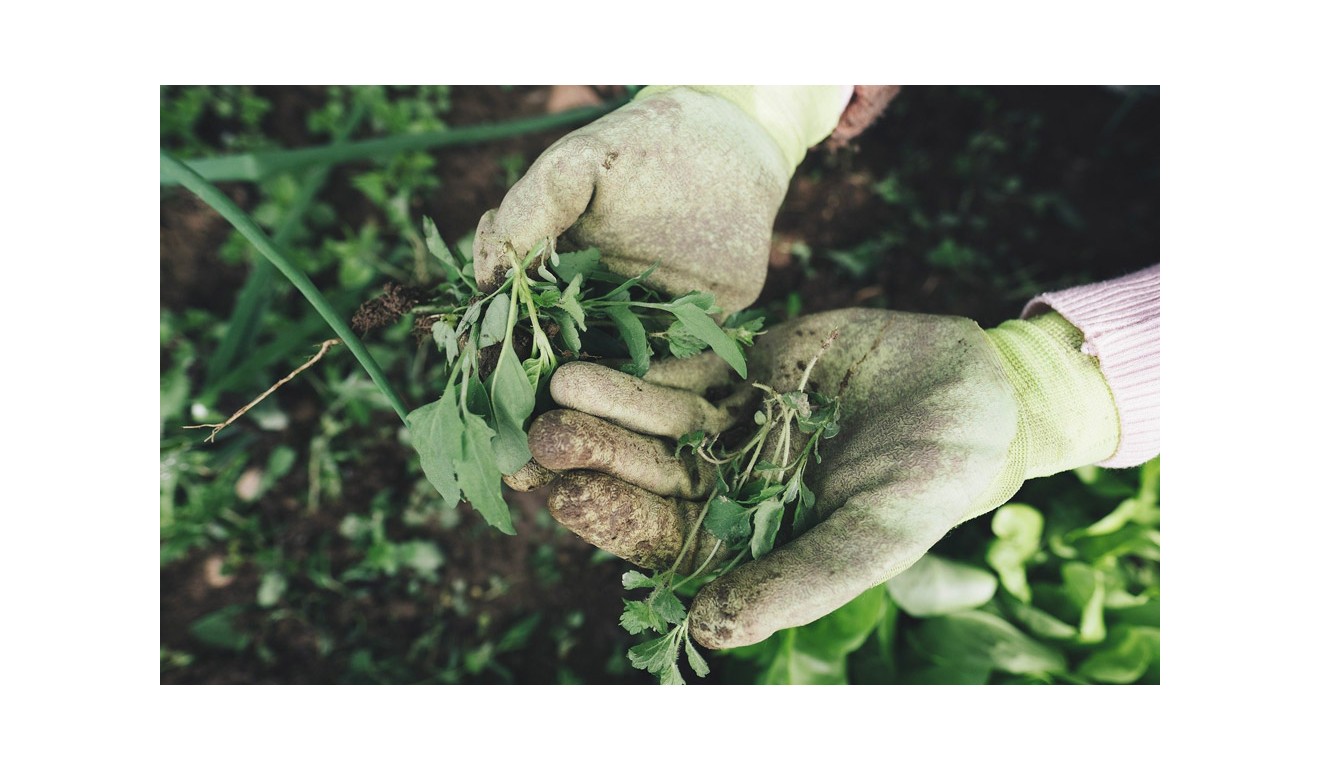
[670, 673]
[479, 474]
[682, 343]
[695, 660]
[743, 329]
[634, 337]
[640, 616]
[512, 400]
[634, 579]
[654, 655]
[577, 263]
[493, 324]
[668, 606]
[547, 298]
[765, 525]
[728, 521]
[701, 325]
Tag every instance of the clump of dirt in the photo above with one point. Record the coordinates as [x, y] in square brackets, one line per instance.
[387, 308]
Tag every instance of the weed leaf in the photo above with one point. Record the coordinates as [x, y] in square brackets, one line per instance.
[634, 579]
[492, 326]
[428, 429]
[640, 616]
[695, 660]
[728, 521]
[621, 291]
[667, 606]
[634, 336]
[577, 263]
[705, 329]
[765, 525]
[512, 400]
[569, 302]
[567, 329]
[683, 343]
[436, 245]
[479, 474]
[446, 341]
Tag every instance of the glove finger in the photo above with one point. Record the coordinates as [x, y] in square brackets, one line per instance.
[629, 522]
[861, 545]
[636, 404]
[549, 198]
[697, 374]
[564, 440]
[531, 476]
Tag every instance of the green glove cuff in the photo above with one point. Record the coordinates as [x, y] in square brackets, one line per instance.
[1066, 413]
[795, 117]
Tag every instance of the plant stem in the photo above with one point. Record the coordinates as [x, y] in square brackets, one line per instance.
[217, 200]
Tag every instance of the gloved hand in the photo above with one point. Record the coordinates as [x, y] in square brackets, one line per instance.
[688, 177]
[940, 422]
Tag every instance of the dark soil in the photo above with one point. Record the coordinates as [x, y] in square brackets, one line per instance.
[992, 195]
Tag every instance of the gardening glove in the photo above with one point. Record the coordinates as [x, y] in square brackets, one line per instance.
[687, 178]
[939, 422]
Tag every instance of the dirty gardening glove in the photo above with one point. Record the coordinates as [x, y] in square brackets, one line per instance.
[939, 422]
[686, 177]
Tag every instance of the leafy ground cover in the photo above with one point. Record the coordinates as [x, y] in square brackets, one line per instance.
[305, 544]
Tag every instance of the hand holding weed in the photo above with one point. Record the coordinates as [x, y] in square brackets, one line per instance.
[682, 179]
[938, 422]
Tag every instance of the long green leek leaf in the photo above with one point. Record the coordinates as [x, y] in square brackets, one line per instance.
[249, 167]
[172, 168]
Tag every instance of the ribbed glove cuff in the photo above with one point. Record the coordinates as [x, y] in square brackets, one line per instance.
[1066, 416]
[1120, 320]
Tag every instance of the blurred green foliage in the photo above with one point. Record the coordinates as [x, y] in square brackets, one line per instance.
[1067, 592]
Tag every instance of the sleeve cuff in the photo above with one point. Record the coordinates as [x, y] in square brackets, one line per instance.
[1120, 321]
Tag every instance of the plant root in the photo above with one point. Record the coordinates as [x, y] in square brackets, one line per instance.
[217, 427]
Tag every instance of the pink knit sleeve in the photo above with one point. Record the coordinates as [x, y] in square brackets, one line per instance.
[1120, 321]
